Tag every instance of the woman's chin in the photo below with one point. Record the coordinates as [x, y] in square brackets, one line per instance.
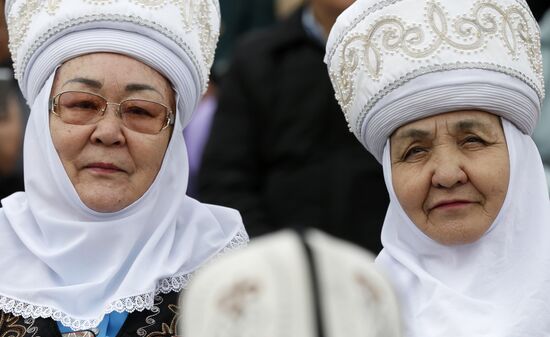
[105, 202]
[105, 207]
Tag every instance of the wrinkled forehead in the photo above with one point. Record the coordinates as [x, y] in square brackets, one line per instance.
[454, 122]
[115, 76]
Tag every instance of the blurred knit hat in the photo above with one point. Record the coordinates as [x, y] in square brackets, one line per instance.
[175, 37]
[291, 285]
[395, 61]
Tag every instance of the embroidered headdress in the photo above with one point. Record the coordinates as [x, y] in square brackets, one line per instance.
[395, 61]
[290, 285]
[44, 34]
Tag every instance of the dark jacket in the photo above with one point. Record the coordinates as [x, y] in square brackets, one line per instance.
[280, 150]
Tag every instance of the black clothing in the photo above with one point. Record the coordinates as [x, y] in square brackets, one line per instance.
[280, 150]
[160, 321]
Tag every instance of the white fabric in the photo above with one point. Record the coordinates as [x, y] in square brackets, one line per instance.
[267, 290]
[191, 26]
[497, 286]
[450, 90]
[124, 38]
[61, 259]
[377, 47]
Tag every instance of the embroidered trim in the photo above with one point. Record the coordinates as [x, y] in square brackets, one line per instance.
[130, 304]
[150, 320]
[376, 7]
[391, 35]
[31, 328]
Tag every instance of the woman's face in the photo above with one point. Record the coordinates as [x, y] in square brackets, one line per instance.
[450, 173]
[110, 165]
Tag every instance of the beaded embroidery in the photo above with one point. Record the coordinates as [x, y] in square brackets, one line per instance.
[467, 34]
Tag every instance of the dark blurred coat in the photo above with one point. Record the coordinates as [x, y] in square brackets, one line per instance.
[280, 150]
[238, 18]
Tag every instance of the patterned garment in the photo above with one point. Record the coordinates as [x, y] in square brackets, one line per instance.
[161, 321]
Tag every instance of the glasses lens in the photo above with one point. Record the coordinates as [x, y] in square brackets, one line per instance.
[143, 116]
[79, 107]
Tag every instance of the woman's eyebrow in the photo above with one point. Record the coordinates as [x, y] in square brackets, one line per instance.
[470, 125]
[86, 81]
[139, 87]
[413, 133]
[133, 87]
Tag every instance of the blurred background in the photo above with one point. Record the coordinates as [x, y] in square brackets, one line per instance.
[13, 116]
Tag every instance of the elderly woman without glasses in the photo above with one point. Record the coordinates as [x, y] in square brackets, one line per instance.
[445, 94]
[104, 238]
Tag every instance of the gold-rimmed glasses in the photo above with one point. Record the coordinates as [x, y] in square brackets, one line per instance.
[84, 108]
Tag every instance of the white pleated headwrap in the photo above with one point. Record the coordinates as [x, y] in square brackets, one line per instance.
[59, 258]
[381, 56]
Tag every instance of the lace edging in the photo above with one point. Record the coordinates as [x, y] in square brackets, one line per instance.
[129, 304]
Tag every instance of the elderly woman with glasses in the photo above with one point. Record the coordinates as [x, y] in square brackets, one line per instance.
[104, 238]
[445, 94]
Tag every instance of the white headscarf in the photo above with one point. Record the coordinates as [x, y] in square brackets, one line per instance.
[497, 286]
[59, 258]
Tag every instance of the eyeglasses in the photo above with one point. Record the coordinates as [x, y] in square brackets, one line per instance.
[84, 108]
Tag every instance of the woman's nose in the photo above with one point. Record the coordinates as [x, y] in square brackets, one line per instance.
[108, 130]
[448, 169]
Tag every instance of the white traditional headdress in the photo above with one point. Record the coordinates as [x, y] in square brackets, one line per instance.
[285, 285]
[44, 34]
[394, 61]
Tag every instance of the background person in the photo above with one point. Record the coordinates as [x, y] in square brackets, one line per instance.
[13, 116]
[280, 151]
[447, 105]
[104, 238]
[11, 136]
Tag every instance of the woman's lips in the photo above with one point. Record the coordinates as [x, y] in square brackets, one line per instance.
[104, 168]
[451, 204]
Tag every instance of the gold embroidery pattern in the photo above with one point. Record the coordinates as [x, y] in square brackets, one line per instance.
[150, 320]
[168, 330]
[467, 34]
[31, 329]
[9, 326]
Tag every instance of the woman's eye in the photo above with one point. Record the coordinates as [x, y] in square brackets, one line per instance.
[414, 152]
[84, 105]
[474, 140]
[137, 111]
